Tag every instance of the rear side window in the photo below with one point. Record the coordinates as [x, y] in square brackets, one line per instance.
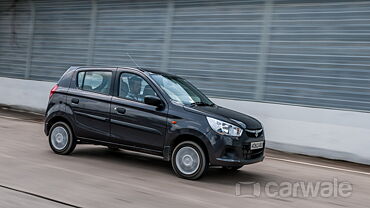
[95, 81]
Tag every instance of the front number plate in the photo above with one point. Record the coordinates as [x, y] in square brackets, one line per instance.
[256, 145]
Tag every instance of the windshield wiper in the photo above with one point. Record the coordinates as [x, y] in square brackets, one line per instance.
[201, 104]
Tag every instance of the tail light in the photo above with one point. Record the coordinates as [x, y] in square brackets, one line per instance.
[53, 90]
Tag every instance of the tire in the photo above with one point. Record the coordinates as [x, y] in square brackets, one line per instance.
[113, 149]
[189, 161]
[61, 139]
[231, 168]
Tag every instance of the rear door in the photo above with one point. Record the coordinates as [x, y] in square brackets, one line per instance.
[133, 122]
[89, 99]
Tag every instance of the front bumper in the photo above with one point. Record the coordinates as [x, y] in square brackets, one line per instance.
[231, 162]
[231, 151]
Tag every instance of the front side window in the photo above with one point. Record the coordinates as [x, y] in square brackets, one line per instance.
[95, 81]
[134, 87]
[180, 90]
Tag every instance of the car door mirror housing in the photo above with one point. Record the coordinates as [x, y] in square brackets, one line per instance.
[153, 100]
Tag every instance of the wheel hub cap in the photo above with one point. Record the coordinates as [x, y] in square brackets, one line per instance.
[59, 138]
[187, 160]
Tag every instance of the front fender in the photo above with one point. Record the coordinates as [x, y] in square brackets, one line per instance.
[173, 135]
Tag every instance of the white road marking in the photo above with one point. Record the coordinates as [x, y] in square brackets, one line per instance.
[6, 155]
[19, 119]
[13, 118]
[317, 165]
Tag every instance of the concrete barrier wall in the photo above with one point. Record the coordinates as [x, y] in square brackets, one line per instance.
[327, 133]
[25, 94]
[334, 134]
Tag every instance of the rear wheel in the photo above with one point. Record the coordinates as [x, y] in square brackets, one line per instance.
[189, 160]
[61, 139]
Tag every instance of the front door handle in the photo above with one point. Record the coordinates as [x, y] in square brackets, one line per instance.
[75, 100]
[120, 110]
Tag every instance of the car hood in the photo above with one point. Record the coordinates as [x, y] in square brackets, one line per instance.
[227, 115]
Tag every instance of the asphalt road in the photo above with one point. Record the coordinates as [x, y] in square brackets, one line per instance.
[31, 175]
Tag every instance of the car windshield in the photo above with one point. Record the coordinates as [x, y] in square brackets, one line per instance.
[181, 90]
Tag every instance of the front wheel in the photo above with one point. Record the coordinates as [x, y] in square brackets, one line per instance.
[113, 149]
[189, 160]
[61, 139]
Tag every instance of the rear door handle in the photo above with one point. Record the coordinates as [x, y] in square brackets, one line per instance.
[75, 100]
[120, 110]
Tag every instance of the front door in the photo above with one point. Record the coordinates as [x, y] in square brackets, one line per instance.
[133, 122]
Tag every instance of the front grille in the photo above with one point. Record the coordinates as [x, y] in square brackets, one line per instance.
[254, 133]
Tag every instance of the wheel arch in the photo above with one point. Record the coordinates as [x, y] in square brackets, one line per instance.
[56, 119]
[189, 137]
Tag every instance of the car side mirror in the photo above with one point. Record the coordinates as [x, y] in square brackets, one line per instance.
[153, 100]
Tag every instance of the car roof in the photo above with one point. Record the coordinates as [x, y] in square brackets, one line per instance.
[148, 70]
[153, 71]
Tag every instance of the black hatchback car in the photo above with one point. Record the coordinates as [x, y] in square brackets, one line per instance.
[151, 112]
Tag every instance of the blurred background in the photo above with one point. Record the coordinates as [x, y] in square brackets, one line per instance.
[302, 67]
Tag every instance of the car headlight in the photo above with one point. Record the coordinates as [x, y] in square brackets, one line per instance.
[224, 128]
